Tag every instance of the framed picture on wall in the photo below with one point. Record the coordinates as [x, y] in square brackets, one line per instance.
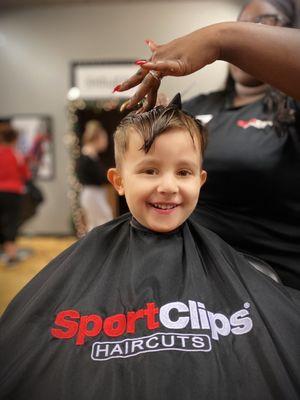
[35, 142]
[94, 80]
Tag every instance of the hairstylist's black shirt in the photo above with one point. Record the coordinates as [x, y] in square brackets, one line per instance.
[90, 171]
[252, 195]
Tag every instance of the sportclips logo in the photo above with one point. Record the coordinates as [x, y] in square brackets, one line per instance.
[176, 316]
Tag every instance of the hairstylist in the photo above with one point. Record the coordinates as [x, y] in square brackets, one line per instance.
[252, 196]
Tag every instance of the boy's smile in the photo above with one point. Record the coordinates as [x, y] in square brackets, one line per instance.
[162, 186]
[164, 208]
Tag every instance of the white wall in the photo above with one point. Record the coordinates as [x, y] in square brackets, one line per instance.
[38, 44]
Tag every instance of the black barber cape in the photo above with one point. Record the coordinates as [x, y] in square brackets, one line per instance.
[126, 313]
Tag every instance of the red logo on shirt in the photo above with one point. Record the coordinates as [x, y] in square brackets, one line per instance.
[255, 123]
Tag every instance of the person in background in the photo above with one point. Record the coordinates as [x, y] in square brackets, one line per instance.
[252, 197]
[14, 174]
[91, 173]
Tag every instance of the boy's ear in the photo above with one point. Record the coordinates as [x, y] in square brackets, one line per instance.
[115, 179]
[203, 176]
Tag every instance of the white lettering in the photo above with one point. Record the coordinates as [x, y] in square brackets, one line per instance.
[194, 315]
[164, 341]
[138, 344]
[198, 342]
[99, 350]
[183, 339]
[153, 346]
[164, 315]
[219, 325]
[203, 316]
[241, 322]
[117, 349]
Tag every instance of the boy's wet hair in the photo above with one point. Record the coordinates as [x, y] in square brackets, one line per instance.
[153, 123]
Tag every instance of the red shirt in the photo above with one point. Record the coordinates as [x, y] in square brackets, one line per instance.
[13, 170]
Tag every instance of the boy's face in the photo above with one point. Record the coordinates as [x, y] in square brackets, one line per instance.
[162, 186]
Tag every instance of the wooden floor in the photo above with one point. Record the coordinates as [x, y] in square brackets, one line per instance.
[13, 278]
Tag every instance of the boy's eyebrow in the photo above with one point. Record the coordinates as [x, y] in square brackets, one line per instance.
[187, 163]
[181, 162]
[147, 161]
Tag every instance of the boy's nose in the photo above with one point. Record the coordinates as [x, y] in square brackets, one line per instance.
[168, 185]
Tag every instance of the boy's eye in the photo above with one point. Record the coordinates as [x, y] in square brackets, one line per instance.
[150, 171]
[184, 172]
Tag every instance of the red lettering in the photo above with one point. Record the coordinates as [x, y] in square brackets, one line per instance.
[63, 321]
[70, 323]
[95, 323]
[115, 325]
[150, 312]
[132, 317]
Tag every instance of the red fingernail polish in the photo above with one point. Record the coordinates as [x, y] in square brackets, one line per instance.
[140, 62]
[117, 88]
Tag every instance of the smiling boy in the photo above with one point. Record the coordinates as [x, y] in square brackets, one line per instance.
[152, 306]
[159, 166]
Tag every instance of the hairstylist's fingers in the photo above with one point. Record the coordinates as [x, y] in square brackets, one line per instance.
[152, 45]
[133, 81]
[150, 100]
[149, 84]
[168, 67]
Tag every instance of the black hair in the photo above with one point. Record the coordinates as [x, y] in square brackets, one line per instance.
[8, 135]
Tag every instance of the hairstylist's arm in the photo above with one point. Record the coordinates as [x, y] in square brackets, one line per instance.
[271, 54]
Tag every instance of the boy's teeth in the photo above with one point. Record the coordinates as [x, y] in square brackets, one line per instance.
[164, 206]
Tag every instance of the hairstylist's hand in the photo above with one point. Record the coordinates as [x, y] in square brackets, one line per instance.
[179, 57]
